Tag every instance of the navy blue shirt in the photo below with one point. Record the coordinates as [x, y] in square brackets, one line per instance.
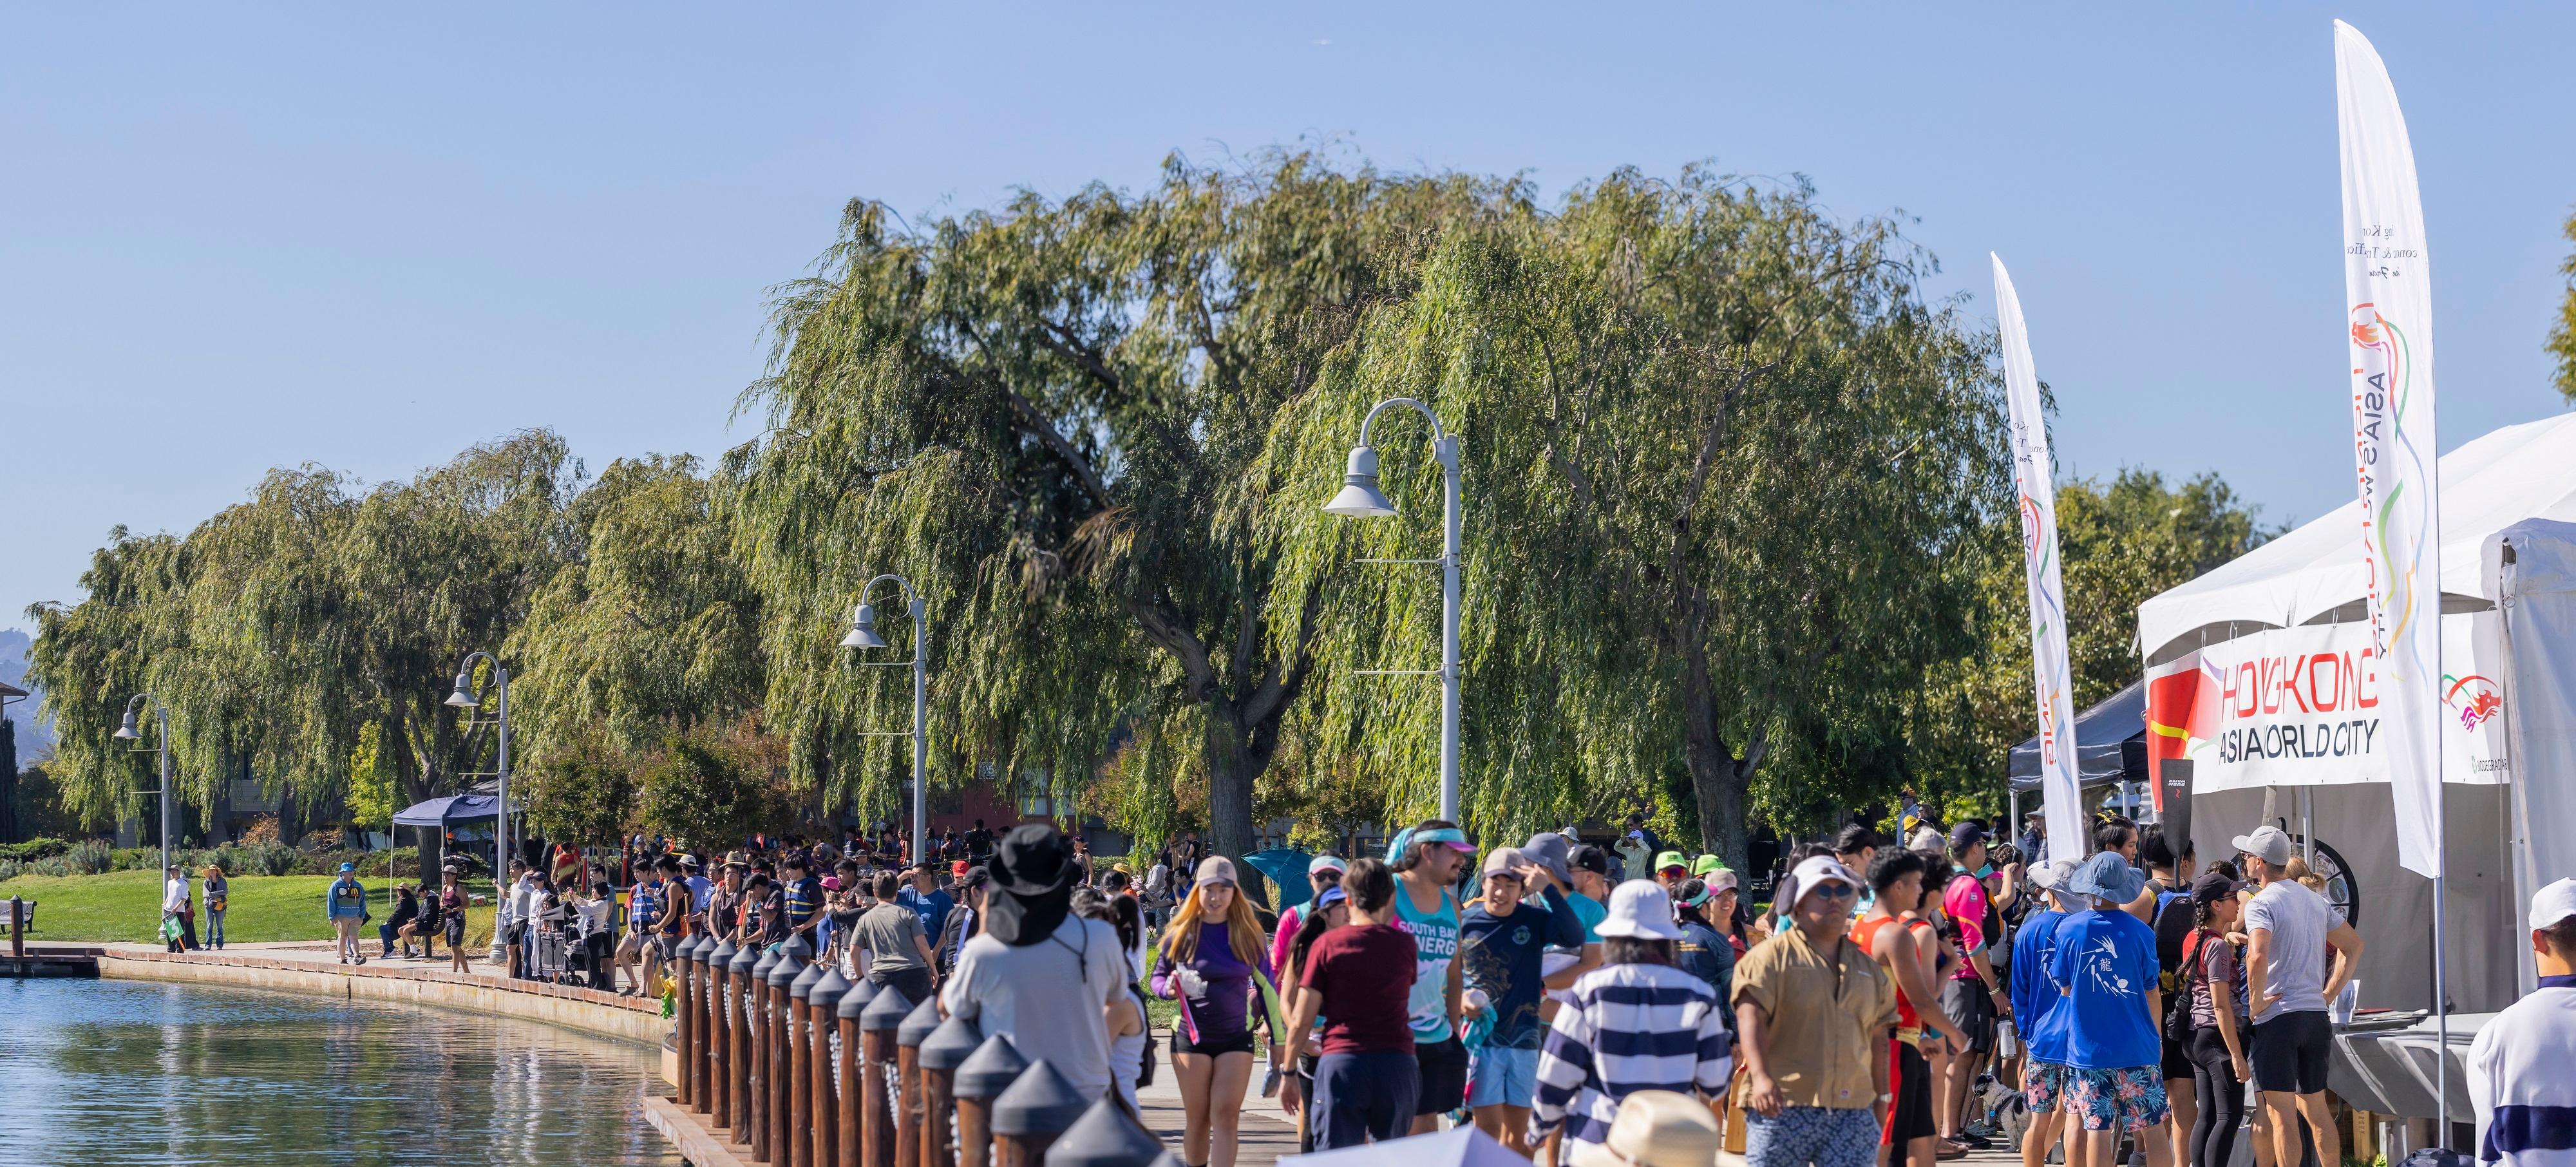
[1503, 955]
[2106, 964]
[1704, 952]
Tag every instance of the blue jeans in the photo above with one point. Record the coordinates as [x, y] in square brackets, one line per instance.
[214, 927]
[1803, 1135]
[1363, 1097]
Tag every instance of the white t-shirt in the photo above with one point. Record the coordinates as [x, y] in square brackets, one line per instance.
[1049, 996]
[174, 896]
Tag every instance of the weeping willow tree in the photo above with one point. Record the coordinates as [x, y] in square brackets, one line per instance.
[652, 629]
[1043, 416]
[282, 627]
[1724, 470]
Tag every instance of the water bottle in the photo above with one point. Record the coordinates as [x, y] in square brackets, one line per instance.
[2006, 1044]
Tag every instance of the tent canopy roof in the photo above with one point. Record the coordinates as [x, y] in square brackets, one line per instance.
[2110, 743]
[447, 811]
[2518, 472]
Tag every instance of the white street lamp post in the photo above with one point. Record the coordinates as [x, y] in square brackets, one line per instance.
[128, 732]
[863, 634]
[1361, 498]
[468, 697]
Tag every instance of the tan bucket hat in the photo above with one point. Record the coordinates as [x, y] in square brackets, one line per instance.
[1655, 1128]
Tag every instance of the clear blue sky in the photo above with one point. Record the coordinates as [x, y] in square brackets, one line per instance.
[235, 239]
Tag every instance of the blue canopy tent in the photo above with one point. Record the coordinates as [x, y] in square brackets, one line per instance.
[444, 814]
[449, 811]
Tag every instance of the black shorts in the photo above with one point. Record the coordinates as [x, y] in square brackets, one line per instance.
[1240, 1043]
[1444, 1076]
[1910, 1079]
[2177, 1060]
[455, 930]
[2290, 1052]
[1970, 1007]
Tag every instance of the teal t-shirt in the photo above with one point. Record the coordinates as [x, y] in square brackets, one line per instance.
[1591, 912]
[1435, 944]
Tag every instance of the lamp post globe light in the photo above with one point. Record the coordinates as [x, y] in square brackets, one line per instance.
[470, 699]
[863, 635]
[128, 731]
[1360, 498]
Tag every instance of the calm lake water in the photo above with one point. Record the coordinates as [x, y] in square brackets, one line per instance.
[140, 1072]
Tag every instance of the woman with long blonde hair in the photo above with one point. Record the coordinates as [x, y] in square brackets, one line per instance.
[1214, 963]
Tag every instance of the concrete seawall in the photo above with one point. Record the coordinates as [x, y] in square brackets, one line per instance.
[627, 1018]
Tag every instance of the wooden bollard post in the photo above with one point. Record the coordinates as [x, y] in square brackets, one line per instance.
[719, 1020]
[760, 1074]
[801, 1067]
[684, 1003]
[942, 1052]
[710, 1032]
[820, 1019]
[746, 957]
[1105, 1136]
[17, 927]
[1028, 1116]
[791, 962]
[852, 1143]
[917, 1027]
[876, 1047]
[981, 1078]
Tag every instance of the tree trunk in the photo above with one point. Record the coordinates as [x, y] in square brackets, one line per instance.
[1231, 767]
[1720, 780]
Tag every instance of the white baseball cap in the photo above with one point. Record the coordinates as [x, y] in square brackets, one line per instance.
[1640, 908]
[1809, 873]
[2553, 904]
[2050, 875]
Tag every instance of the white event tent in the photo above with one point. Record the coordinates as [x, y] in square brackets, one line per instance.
[2262, 708]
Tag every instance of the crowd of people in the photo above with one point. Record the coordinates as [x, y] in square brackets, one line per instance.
[1895, 1003]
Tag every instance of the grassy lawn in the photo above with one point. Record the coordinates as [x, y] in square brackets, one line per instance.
[126, 906]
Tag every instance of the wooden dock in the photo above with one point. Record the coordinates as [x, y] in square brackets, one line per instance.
[49, 960]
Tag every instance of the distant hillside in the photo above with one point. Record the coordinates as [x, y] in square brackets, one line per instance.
[33, 739]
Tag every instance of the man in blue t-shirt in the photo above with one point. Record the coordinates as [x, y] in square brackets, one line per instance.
[926, 900]
[1503, 942]
[2105, 965]
[2034, 1007]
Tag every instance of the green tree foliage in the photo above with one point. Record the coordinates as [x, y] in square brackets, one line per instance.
[585, 795]
[371, 781]
[2562, 335]
[712, 791]
[2119, 544]
[282, 627]
[1720, 463]
[652, 629]
[1044, 417]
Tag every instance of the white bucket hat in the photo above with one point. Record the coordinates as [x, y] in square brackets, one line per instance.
[1639, 908]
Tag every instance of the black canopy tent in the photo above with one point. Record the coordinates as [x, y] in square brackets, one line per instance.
[2110, 746]
[2110, 743]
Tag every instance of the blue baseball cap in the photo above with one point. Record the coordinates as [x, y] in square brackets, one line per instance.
[346, 868]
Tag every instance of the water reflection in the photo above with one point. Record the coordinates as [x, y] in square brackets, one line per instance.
[133, 1072]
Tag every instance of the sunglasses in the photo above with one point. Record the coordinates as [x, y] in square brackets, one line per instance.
[1836, 891]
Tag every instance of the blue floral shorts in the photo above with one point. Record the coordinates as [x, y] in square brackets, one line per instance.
[2043, 1083]
[2116, 1100]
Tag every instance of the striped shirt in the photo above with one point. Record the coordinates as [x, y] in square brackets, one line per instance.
[1630, 1027]
[2525, 1099]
